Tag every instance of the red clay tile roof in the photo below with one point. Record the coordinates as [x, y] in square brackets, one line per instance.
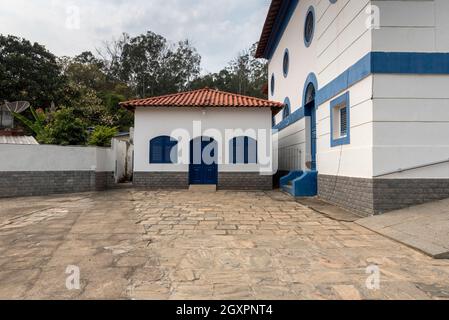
[203, 98]
[268, 27]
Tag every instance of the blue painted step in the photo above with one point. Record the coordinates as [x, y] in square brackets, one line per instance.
[301, 183]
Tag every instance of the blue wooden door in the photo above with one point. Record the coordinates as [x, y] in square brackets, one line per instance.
[203, 161]
[311, 112]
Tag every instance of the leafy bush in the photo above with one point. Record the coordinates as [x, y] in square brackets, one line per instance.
[102, 136]
[65, 129]
[38, 125]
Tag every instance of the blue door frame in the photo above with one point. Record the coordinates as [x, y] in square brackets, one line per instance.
[201, 171]
[310, 111]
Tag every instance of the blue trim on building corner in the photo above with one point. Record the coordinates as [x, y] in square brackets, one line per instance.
[375, 63]
[359, 71]
[344, 98]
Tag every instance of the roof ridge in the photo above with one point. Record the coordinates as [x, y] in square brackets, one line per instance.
[166, 95]
[201, 98]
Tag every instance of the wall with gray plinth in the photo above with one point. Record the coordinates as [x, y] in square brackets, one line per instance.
[41, 183]
[244, 181]
[180, 180]
[161, 180]
[377, 196]
[36, 170]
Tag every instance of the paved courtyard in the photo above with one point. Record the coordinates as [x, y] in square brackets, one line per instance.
[132, 244]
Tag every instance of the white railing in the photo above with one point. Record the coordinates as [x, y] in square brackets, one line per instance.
[290, 159]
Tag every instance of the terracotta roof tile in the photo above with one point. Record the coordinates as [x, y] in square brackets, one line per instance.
[275, 7]
[203, 98]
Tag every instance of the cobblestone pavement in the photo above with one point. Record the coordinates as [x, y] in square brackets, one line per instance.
[179, 245]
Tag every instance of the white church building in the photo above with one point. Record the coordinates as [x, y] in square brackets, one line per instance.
[366, 89]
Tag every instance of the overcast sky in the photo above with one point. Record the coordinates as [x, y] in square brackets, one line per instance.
[219, 29]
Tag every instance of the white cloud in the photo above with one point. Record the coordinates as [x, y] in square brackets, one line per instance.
[218, 28]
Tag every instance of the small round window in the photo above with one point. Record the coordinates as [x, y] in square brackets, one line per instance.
[273, 83]
[309, 27]
[286, 63]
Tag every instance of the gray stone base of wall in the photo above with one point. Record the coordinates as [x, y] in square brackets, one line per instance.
[377, 196]
[244, 181]
[161, 180]
[104, 180]
[36, 183]
[353, 194]
[180, 180]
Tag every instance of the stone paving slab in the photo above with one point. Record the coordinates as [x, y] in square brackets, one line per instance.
[327, 209]
[131, 244]
[424, 227]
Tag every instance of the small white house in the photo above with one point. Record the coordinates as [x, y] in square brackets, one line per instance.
[365, 84]
[203, 137]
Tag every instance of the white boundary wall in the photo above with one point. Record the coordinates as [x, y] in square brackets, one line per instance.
[24, 158]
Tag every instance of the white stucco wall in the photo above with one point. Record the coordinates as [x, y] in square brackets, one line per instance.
[341, 39]
[411, 124]
[22, 158]
[412, 26]
[153, 122]
[356, 158]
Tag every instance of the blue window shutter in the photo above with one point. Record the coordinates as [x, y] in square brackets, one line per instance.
[160, 150]
[156, 151]
[246, 149]
[243, 150]
[344, 121]
[251, 150]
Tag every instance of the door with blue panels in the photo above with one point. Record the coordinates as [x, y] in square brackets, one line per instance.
[203, 161]
[310, 111]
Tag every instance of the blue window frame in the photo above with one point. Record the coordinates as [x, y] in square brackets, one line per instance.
[243, 150]
[309, 27]
[161, 149]
[340, 110]
[287, 109]
[286, 63]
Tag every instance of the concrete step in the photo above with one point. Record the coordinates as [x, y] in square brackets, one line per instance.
[206, 188]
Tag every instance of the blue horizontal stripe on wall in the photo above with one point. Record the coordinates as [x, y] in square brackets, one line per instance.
[291, 119]
[410, 63]
[376, 63]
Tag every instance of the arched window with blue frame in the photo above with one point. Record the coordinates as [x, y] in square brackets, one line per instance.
[243, 150]
[287, 109]
[163, 150]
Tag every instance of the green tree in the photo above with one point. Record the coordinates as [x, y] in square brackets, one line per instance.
[244, 75]
[93, 96]
[102, 136]
[65, 129]
[150, 65]
[28, 72]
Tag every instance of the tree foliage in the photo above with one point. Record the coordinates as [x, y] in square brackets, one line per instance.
[150, 65]
[66, 129]
[102, 136]
[244, 75]
[28, 72]
[72, 94]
